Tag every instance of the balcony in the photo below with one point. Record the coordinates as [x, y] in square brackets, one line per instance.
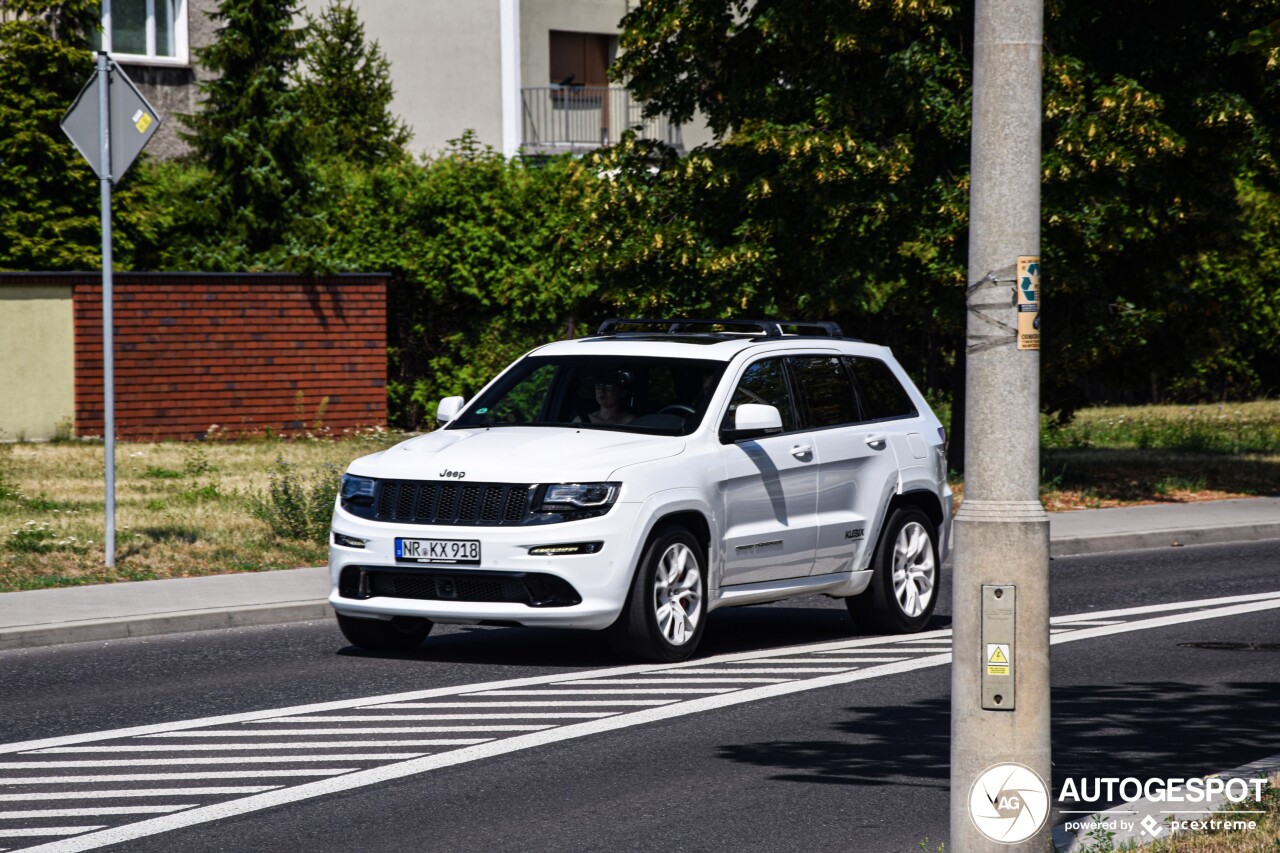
[577, 119]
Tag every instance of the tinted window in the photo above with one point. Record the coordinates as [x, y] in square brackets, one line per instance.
[883, 396]
[765, 382]
[824, 390]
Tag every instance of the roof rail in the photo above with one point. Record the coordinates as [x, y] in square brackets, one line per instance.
[768, 328]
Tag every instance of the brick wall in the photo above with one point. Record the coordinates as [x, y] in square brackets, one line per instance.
[248, 352]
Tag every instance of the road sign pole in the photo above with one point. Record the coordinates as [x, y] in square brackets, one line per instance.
[108, 318]
[1000, 672]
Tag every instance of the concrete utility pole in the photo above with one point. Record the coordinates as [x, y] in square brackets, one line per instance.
[1000, 674]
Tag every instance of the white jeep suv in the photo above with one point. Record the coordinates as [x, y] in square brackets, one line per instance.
[638, 479]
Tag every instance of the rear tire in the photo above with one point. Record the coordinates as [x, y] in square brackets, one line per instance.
[904, 582]
[666, 609]
[397, 634]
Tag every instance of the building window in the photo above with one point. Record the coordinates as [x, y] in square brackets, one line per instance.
[581, 59]
[147, 30]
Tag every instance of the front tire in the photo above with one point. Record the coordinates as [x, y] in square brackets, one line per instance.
[666, 609]
[397, 634]
[904, 583]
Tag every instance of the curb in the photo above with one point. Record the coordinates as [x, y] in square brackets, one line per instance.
[28, 637]
[1109, 542]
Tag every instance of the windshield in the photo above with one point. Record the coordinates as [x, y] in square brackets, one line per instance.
[664, 396]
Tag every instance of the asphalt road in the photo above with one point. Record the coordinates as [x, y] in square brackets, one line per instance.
[855, 766]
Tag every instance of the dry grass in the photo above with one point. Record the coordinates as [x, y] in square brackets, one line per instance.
[181, 508]
[1264, 839]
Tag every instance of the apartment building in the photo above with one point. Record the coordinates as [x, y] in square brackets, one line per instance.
[525, 75]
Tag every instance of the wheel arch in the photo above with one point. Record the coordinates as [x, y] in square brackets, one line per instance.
[691, 519]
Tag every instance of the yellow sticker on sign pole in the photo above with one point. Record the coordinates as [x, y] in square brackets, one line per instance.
[997, 658]
[1028, 288]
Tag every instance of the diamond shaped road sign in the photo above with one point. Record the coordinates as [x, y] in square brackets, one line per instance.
[133, 123]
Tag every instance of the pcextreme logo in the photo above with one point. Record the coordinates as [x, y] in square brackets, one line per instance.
[1009, 803]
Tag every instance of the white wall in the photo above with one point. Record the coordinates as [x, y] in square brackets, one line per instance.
[445, 63]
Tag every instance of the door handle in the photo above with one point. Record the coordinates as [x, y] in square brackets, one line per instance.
[873, 440]
[802, 450]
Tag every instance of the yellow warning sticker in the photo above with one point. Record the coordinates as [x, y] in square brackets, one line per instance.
[997, 658]
[141, 120]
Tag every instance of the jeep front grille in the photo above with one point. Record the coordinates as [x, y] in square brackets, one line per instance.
[433, 502]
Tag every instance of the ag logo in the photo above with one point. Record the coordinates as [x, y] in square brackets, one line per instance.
[1009, 803]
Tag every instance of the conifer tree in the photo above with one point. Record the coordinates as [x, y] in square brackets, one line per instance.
[346, 90]
[250, 129]
[48, 195]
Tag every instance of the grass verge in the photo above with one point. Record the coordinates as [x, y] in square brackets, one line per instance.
[182, 509]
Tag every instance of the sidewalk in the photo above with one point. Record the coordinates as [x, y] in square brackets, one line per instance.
[49, 617]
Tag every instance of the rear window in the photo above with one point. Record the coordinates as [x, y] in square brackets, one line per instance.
[881, 394]
[825, 391]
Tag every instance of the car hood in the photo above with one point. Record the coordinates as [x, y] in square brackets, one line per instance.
[516, 455]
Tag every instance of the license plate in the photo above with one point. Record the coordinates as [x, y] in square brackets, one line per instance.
[449, 551]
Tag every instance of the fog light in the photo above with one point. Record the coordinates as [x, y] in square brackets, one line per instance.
[347, 541]
[565, 549]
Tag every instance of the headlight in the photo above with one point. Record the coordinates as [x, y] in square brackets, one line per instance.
[576, 497]
[357, 490]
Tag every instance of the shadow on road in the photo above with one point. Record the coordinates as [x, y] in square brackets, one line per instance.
[738, 629]
[1145, 730]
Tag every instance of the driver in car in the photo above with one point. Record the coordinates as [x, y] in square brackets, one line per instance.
[612, 392]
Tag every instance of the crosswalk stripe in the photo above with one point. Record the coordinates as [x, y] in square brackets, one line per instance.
[47, 830]
[157, 777]
[134, 746]
[600, 692]
[92, 812]
[99, 794]
[201, 759]
[392, 718]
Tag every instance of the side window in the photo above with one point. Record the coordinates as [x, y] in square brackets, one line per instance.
[765, 382]
[883, 397]
[824, 390]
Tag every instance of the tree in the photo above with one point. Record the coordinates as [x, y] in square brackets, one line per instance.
[250, 130]
[48, 195]
[346, 90]
[839, 182]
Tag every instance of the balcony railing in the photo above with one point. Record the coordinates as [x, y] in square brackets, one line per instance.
[579, 118]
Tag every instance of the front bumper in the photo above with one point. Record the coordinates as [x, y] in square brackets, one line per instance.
[600, 581]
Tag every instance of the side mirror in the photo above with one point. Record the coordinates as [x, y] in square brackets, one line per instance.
[449, 408]
[753, 420]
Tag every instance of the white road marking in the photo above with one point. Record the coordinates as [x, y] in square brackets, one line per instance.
[257, 747]
[889, 654]
[598, 692]
[142, 792]
[377, 718]
[602, 682]
[156, 777]
[692, 705]
[828, 658]
[92, 812]
[46, 830]
[353, 731]
[581, 703]
[1088, 622]
[795, 670]
[203, 759]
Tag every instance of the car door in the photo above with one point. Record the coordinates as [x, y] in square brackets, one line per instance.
[857, 470]
[770, 486]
